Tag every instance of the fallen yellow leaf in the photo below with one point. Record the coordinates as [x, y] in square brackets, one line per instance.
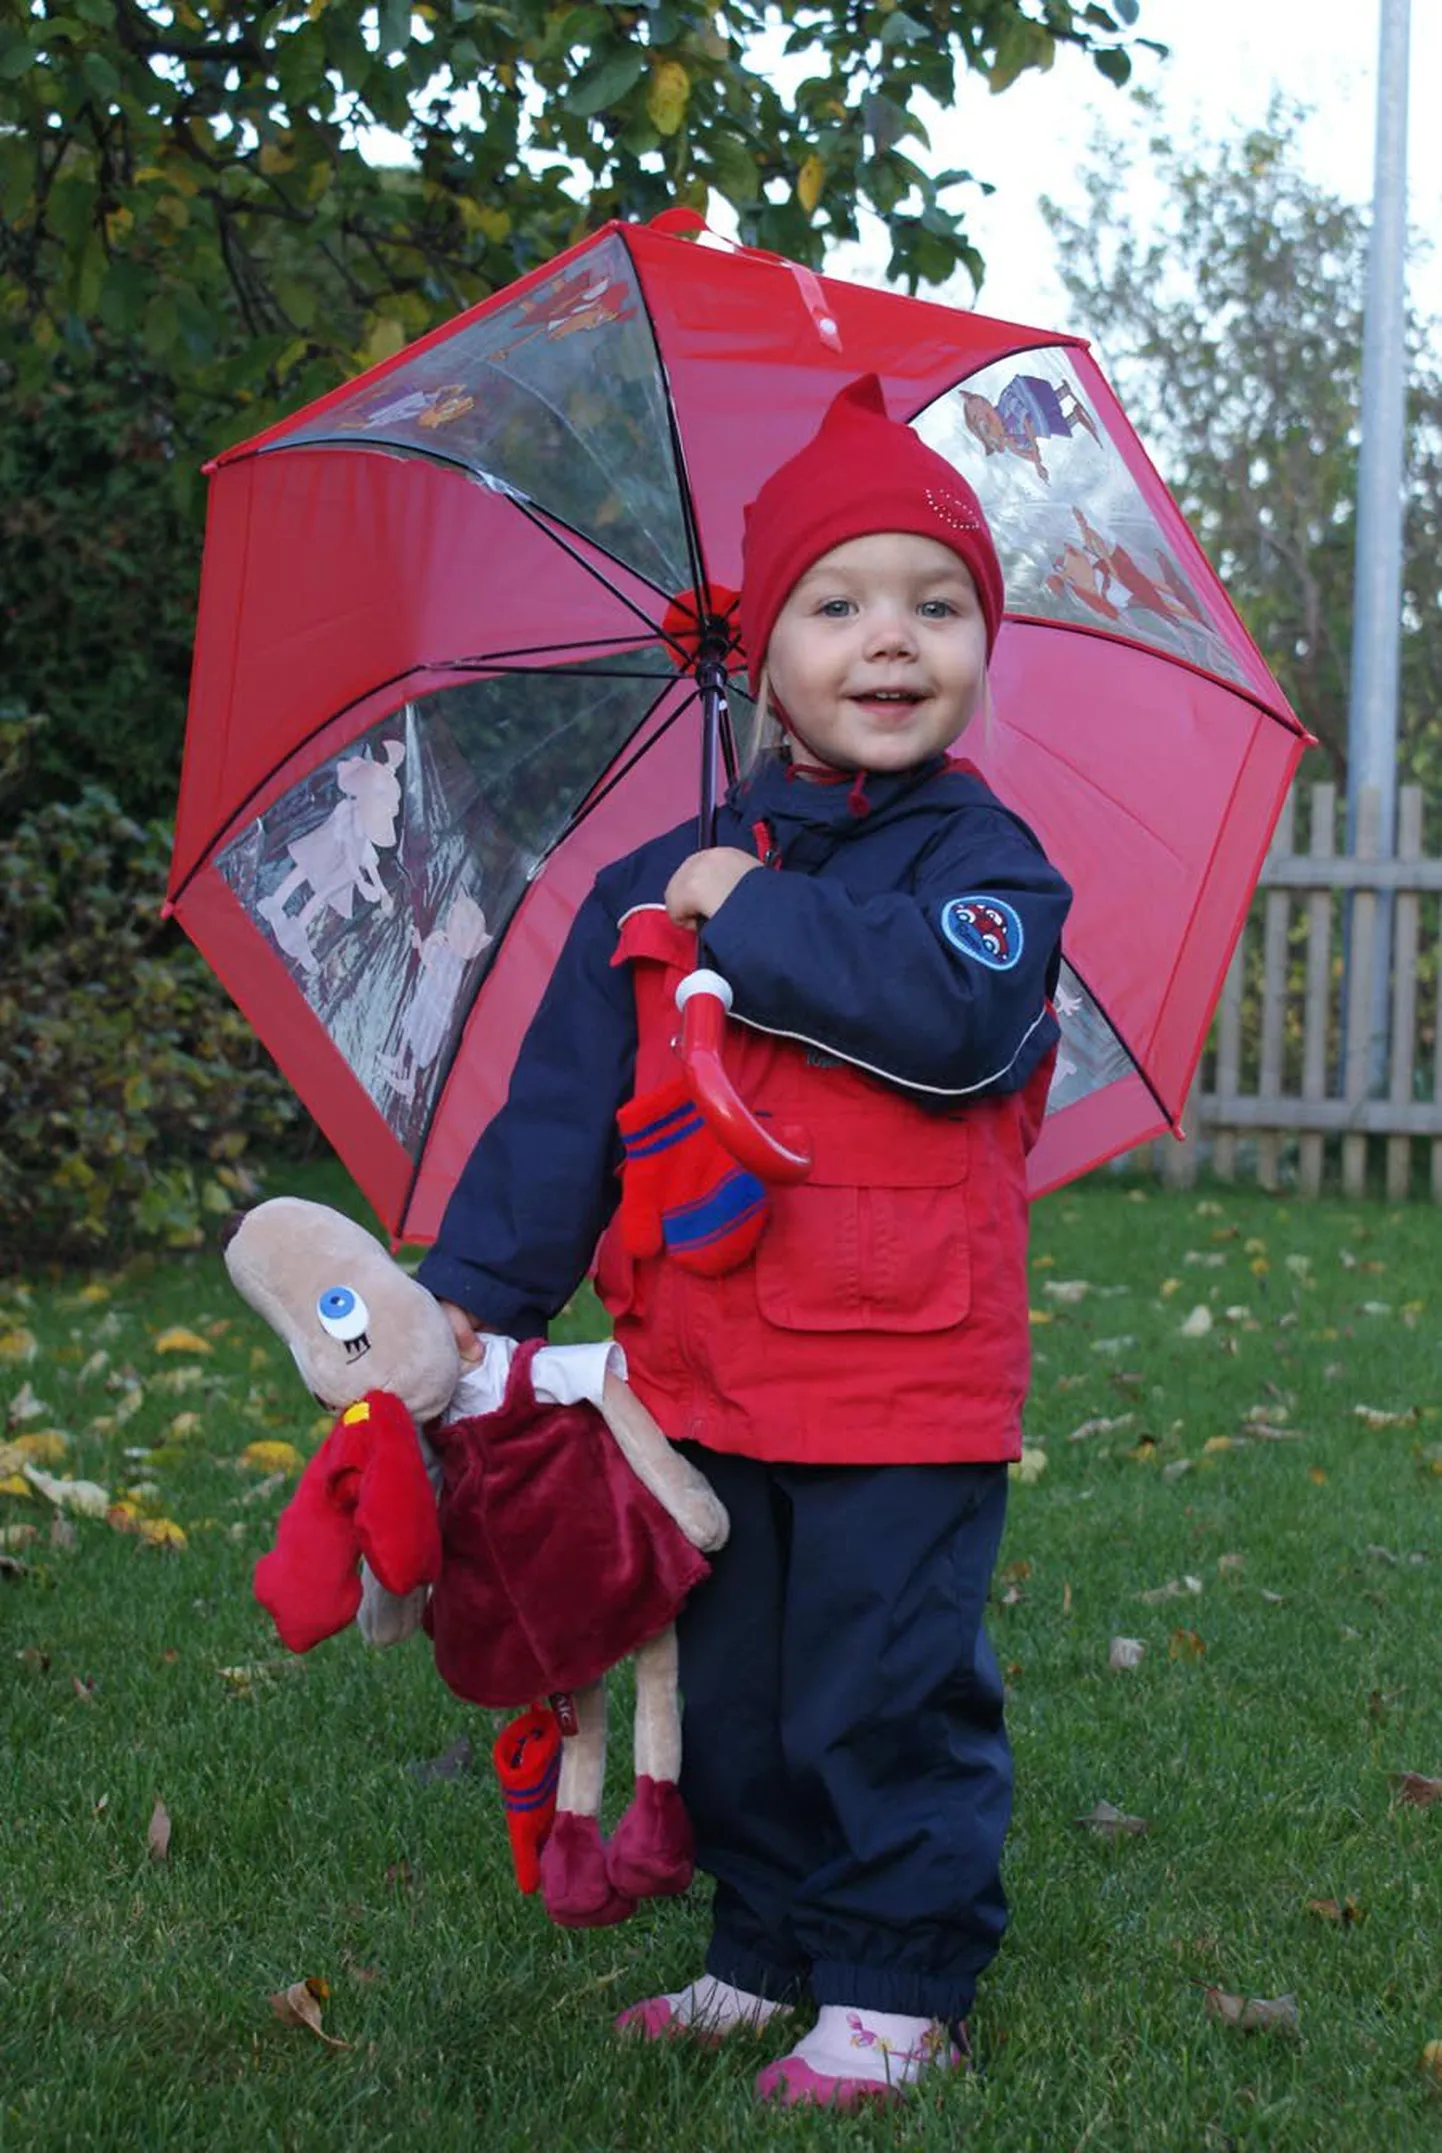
[1028, 1468]
[179, 1340]
[17, 1346]
[160, 1532]
[273, 1457]
[47, 1446]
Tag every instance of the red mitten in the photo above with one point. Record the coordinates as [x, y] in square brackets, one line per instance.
[395, 1508]
[681, 1189]
[527, 1758]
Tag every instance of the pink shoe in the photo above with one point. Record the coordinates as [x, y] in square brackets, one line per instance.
[822, 2070]
[657, 2019]
[705, 2011]
[792, 2083]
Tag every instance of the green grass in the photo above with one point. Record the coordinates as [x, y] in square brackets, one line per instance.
[133, 1993]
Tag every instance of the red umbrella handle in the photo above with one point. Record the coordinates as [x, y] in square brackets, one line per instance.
[703, 999]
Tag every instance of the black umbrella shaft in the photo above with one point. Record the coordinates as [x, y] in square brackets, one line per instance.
[711, 678]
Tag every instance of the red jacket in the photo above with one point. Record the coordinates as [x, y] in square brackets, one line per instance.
[883, 1317]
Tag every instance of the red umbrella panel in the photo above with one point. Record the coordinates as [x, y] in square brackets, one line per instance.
[446, 668]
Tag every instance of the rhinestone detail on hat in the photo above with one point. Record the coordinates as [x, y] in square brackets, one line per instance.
[950, 508]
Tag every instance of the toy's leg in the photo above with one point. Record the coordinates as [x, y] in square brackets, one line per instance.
[676, 1484]
[652, 1853]
[577, 1891]
[388, 1618]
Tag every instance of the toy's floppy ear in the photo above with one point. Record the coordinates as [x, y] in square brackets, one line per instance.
[364, 1493]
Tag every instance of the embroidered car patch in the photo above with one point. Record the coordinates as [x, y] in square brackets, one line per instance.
[984, 928]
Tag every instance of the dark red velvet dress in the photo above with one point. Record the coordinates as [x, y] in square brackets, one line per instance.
[557, 1561]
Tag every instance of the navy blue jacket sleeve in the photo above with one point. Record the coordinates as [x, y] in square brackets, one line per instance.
[921, 986]
[524, 1218]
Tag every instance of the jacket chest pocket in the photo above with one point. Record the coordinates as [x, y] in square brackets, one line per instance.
[876, 1239]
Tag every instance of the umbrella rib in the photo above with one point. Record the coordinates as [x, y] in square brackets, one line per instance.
[678, 453]
[594, 799]
[1100, 1006]
[544, 520]
[422, 665]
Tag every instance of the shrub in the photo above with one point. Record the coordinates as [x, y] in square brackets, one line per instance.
[133, 1094]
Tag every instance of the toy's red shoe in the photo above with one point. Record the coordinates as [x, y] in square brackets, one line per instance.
[651, 1853]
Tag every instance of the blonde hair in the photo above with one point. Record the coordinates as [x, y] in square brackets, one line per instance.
[768, 736]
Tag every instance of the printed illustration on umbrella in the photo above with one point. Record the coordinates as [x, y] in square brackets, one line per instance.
[461, 623]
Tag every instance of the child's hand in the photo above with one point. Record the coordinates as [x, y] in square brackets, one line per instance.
[702, 883]
[463, 1330]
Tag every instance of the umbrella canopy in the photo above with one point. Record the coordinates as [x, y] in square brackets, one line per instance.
[446, 661]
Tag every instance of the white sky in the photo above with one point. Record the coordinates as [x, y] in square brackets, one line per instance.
[1226, 58]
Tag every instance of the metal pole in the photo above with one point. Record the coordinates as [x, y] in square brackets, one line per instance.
[1377, 584]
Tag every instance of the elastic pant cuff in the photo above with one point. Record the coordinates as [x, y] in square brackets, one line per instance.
[730, 1961]
[944, 1996]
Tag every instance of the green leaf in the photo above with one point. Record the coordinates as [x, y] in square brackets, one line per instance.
[100, 75]
[583, 26]
[394, 24]
[598, 88]
[71, 211]
[17, 57]
[733, 168]
[1114, 65]
[17, 169]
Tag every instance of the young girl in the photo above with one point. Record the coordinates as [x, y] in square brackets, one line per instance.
[847, 1357]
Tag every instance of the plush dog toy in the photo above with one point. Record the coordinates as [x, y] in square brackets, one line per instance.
[529, 1512]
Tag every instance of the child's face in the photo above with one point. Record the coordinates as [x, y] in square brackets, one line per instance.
[879, 654]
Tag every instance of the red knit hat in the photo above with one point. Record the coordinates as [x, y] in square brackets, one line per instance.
[862, 471]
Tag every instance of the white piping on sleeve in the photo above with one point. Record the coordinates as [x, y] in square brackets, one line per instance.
[854, 1061]
[892, 1076]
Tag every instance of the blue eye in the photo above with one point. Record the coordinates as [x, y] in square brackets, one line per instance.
[342, 1312]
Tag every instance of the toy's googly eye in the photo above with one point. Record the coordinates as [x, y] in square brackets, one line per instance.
[343, 1314]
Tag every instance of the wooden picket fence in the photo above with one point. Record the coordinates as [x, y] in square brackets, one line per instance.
[1287, 1092]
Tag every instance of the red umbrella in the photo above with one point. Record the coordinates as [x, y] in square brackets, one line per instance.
[459, 619]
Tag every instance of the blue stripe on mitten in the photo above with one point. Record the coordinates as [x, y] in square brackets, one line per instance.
[682, 1190]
